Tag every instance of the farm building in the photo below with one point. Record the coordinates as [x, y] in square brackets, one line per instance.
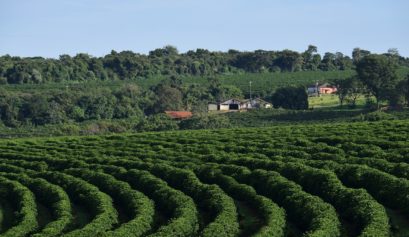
[239, 105]
[316, 90]
[256, 104]
[231, 104]
[179, 114]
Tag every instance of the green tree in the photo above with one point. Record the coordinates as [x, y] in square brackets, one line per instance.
[168, 98]
[289, 61]
[311, 58]
[379, 76]
[328, 62]
[290, 98]
[402, 92]
[406, 90]
[358, 54]
[348, 90]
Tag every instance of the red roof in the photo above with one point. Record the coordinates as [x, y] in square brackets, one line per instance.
[179, 114]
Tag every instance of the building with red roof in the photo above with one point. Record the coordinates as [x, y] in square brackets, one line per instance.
[179, 114]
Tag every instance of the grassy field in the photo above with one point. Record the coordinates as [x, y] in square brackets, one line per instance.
[332, 100]
[330, 179]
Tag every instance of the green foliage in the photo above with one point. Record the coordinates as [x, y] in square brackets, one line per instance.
[379, 74]
[158, 122]
[290, 98]
[348, 90]
[51, 195]
[137, 205]
[22, 199]
[376, 116]
[99, 204]
[127, 65]
[314, 178]
[206, 121]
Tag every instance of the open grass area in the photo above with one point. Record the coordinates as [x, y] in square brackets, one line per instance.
[332, 100]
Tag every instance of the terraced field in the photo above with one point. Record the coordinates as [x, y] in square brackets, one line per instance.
[346, 179]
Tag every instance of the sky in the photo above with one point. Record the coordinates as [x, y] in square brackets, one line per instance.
[50, 28]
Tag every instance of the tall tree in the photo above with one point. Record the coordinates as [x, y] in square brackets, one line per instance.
[328, 62]
[290, 98]
[289, 61]
[348, 90]
[403, 90]
[311, 58]
[379, 75]
[168, 98]
[358, 54]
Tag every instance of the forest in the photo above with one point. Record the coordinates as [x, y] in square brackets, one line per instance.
[127, 65]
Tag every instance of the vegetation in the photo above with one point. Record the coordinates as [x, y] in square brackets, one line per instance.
[331, 179]
[306, 168]
[128, 65]
[171, 83]
[290, 98]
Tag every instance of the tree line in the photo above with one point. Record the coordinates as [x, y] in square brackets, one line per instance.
[376, 76]
[127, 65]
[78, 104]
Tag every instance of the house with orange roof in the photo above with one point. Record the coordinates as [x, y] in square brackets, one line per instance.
[179, 114]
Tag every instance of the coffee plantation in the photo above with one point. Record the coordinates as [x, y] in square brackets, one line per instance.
[321, 180]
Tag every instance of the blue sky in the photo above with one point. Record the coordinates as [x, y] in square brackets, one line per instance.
[50, 28]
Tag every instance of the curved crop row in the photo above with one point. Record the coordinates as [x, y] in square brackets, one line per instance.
[181, 208]
[354, 204]
[211, 198]
[100, 204]
[273, 216]
[136, 204]
[312, 214]
[51, 195]
[22, 199]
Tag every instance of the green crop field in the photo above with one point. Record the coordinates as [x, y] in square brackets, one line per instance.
[260, 81]
[323, 180]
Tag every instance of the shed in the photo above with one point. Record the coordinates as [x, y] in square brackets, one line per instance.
[232, 104]
[212, 107]
[256, 104]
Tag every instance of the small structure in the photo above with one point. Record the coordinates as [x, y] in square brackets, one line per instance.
[232, 104]
[179, 114]
[256, 104]
[317, 90]
[212, 107]
[239, 105]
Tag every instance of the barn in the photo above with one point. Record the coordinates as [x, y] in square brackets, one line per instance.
[239, 105]
[232, 104]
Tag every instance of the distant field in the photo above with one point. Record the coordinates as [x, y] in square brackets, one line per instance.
[322, 180]
[260, 81]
